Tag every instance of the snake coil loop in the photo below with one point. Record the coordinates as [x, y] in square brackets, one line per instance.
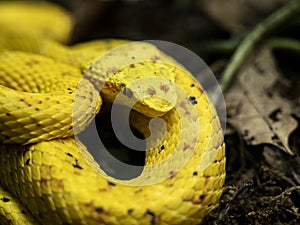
[49, 92]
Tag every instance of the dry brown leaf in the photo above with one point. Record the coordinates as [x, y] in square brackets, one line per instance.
[256, 108]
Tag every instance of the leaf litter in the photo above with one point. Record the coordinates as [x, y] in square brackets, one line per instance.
[255, 107]
[263, 166]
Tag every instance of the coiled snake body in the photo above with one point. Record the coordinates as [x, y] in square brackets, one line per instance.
[47, 175]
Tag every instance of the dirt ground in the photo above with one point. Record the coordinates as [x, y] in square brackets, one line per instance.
[262, 183]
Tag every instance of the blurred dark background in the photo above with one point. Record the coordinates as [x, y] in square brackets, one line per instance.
[210, 28]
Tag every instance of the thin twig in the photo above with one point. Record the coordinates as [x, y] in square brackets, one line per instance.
[286, 192]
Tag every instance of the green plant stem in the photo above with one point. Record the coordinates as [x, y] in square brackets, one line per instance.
[229, 46]
[285, 43]
[223, 47]
[261, 30]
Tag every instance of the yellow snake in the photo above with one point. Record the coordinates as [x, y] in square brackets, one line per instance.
[48, 175]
